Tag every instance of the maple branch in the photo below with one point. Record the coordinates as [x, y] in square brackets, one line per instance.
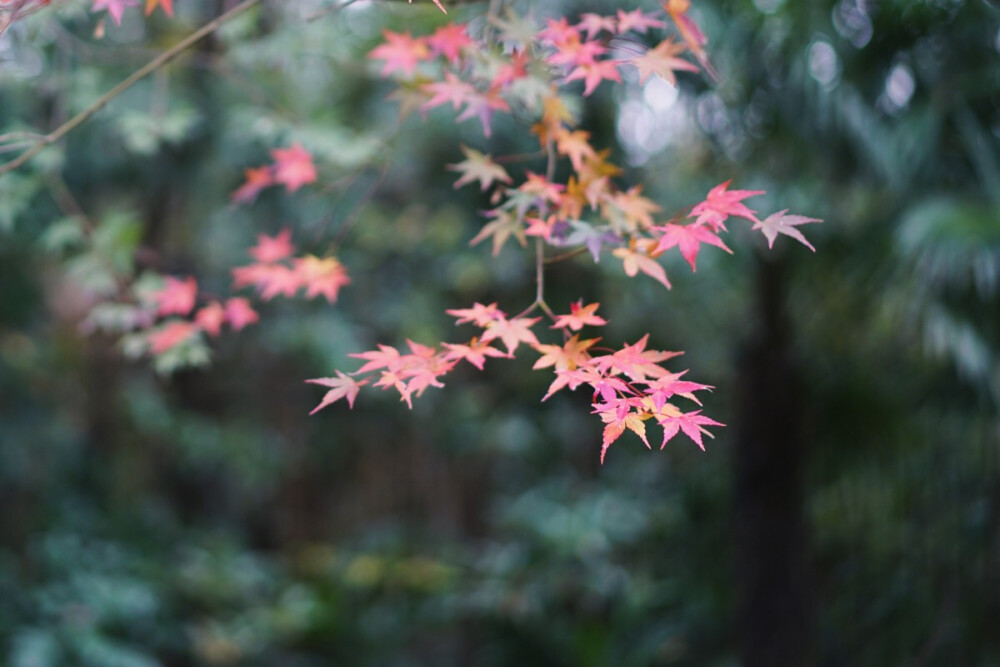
[566, 255]
[150, 67]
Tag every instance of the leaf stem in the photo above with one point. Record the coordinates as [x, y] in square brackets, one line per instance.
[150, 67]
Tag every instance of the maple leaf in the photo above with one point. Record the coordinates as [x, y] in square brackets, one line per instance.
[115, 8]
[256, 179]
[691, 423]
[593, 24]
[576, 53]
[385, 356]
[342, 386]
[662, 60]
[594, 73]
[542, 228]
[575, 146]
[452, 89]
[688, 238]
[240, 314]
[482, 106]
[579, 316]
[210, 318]
[502, 228]
[177, 296]
[275, 279]
[618, 419]
[167, 5]
[558, 31]
[780, 223]
[637, 21]
[449, 41]
[479, 314]
[722, 203]
[635, 258]
[475, 352]
[633, 210]
[661, 389]
[321, 276]
[635, 361]
[273, 248]
[293, 167]
[516, 67]
[401, 52]
[511, 332]
[690, 32]
[170, 335]
[478, 167]
[565, 357]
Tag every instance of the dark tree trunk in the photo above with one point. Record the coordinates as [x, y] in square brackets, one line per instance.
[775, 613]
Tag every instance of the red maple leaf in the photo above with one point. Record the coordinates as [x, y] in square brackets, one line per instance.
[293, 167]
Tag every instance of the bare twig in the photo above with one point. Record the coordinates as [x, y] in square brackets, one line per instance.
[150, 67]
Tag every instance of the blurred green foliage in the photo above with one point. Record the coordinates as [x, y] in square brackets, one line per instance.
[203, 519]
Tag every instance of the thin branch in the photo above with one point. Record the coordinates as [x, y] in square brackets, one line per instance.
[150, 67]
[566, 255]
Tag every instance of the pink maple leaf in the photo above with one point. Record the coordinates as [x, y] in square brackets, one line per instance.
[579, 317]
[210, 318]
[449, 41]
[170, 335]
[293, 167]
[177, 296]
[256, 179]
[688, 238]
[321, 276]
[273, 248]
[475, 352]
[637, 21]
[593, 73]
[691, 423]
[593, 24]
[115, 8]
[342, 386]
[722, 203]
[401, 52]
[240, 314]
[511, 332]
[780, 223]
[480, 315]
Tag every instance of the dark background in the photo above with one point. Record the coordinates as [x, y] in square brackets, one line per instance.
[849, 514]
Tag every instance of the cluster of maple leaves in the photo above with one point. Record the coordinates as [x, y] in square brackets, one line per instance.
[586, 209]
[512, 67]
